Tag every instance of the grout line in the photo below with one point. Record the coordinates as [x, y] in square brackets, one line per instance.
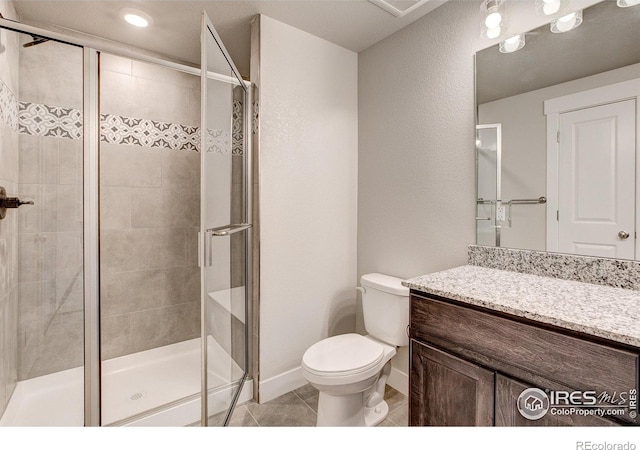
[305, 403]
[251, 415]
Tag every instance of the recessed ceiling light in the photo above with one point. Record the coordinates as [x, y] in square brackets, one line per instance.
[136, 17]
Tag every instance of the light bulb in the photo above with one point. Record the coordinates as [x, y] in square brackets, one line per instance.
[567, 18]
[551, 7]
[493, 33]
[627, 3]
[493, 20]
[512, 44]
[567, 23]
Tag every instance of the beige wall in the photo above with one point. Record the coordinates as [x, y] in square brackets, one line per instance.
[150, 214]
[9, 225]
[416, 166]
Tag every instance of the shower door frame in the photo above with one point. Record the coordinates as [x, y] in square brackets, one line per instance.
[91, 217]
[92, 47]
[247, 214]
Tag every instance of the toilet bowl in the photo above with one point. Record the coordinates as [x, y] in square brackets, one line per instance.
[350, 371]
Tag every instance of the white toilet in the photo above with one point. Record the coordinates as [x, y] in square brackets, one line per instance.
[351, 370]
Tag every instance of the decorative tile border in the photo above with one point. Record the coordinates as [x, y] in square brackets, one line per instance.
[588, 269]
[66, 123]
[53, 121]
[237, 129]
[148, 133]
[8, 107]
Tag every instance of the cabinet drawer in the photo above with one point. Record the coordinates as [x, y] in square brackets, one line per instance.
[573, 362]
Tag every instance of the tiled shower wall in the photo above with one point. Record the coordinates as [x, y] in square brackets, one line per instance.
[150, 166]
[50, 325]
[9, 225]
[150, 207]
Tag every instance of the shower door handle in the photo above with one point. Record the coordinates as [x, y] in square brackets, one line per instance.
[207, 246]
[228, 230]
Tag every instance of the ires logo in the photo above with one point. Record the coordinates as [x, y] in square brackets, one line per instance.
[534, 403]
[575, 398]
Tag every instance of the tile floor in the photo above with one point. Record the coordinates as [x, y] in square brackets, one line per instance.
[299, 409]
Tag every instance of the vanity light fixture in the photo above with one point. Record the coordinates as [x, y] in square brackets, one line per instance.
[567, 23]
[513, 44]
[627, 3]
[493, 22]
[136, 17]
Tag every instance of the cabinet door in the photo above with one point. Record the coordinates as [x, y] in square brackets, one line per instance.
[507, 415]
[448, 391]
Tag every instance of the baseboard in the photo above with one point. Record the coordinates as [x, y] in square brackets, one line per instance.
[399, 381]
[281, 384]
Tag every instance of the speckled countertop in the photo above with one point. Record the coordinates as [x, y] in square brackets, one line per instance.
[606, 312]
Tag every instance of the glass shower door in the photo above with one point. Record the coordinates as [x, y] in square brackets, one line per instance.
[41, 242]
[224, 231]
[489, 210]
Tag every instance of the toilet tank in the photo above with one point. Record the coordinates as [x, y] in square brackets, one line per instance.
[385, 306]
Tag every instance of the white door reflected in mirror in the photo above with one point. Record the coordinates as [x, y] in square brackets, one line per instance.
[596, 187]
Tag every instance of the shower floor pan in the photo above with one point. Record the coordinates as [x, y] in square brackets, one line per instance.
[157, 387]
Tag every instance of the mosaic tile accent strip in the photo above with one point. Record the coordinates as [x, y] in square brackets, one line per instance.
[54, 121]
[255, 117]
[587, 269]
[148, 133]
[45, 120]
[237, 131]
[8, 107]
[219, 141]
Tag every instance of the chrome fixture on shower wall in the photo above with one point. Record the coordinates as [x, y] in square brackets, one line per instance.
[9, 202]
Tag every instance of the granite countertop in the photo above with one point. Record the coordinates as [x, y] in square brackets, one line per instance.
[607, 312]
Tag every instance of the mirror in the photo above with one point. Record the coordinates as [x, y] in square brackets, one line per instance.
[556, 138]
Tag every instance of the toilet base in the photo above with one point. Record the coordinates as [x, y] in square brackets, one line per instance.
[348, 411]
[364, 407]
[373, 416]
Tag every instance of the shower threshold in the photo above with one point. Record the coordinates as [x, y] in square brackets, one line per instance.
[157, 387]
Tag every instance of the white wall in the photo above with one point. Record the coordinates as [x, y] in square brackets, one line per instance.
[416, 179]
[524, 150]
[308, 198]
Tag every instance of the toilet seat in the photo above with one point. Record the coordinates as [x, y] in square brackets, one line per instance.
[345, 358]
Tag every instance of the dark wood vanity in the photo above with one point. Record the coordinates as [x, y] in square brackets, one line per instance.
[470, 364]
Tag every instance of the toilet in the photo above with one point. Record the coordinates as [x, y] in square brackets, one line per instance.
[351, 370]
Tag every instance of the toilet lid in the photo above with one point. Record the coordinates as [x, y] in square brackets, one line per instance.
[346, 353]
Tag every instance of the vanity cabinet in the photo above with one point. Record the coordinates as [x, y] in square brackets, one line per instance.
[507, 391]
[446, 390]
[470, 364]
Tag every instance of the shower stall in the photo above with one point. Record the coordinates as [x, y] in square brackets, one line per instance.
[125, 271]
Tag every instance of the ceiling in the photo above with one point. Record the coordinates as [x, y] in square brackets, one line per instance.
[607, 39]
[175, 31]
